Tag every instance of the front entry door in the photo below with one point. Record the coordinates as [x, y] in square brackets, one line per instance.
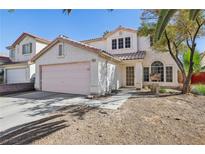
[130, 76]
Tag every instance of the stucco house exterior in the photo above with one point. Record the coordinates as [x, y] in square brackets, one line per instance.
[121, 58]
[3, 60]
[19, 70]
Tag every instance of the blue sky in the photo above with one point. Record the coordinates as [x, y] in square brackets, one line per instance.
[80, 25]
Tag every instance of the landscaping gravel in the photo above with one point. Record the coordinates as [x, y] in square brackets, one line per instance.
[178, 119]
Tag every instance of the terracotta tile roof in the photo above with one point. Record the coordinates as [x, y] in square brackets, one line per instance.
[131, 56]
[74, 43]
[22, 36]
[5, 59]
[92, 40]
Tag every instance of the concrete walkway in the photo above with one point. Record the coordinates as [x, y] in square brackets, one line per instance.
[26, 107]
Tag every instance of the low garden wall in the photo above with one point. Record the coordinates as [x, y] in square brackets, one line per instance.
[13, 88]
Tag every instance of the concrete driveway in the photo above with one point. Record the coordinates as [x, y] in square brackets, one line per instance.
[26, 107]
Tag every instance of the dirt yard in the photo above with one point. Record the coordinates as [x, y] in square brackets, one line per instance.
[176, 119]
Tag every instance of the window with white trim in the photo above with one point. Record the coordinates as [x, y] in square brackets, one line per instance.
[60, 50]
[127, 42]
[12, 54]
[169, 73]
[27, 48]
[114, 44]
[157, 68]
[120, 43]
[146, 74]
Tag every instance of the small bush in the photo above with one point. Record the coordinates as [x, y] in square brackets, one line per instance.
[162, 90]
[199, 89]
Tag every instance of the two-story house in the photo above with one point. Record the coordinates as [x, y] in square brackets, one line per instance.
[121, 58]
[19, 70]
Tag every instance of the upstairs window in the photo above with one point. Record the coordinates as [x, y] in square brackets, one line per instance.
[27, 48]
[60, 50]
[120, 43]
[127, 42]
[114, 44]
[12, 54]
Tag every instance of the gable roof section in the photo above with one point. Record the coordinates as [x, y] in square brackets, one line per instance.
[76, 44]
[118, 29]
[23, 35]
[108, 34]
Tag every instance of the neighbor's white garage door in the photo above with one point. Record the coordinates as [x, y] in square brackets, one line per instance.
[16, 75]
[67, 78]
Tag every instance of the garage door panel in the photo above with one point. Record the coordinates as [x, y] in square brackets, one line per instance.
[66, 78]
[16, 75]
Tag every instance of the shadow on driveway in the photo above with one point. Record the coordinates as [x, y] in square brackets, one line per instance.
[29, 132]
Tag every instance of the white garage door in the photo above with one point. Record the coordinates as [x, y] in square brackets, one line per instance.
[67, 78]
[16, 75]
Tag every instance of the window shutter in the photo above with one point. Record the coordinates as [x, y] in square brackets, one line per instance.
[30, 47]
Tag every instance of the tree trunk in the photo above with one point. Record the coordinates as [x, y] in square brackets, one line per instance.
[187, 81]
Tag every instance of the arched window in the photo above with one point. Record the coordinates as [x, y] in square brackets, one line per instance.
[157, 68]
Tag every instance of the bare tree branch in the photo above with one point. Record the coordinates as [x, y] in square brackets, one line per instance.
[178, 62]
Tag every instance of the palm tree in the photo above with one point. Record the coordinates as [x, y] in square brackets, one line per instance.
[67, 11]
[197, 67]
[165, 16]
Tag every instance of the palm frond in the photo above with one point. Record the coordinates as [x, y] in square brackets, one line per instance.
[193, 14]
[164, 18]
[67, 11]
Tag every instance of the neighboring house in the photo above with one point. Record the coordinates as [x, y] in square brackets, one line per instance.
[19, 70]
[3, 60]
[120, 58]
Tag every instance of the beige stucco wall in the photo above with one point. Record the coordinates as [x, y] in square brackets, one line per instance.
[143, 43]
[74, 54]
[20, 57]
[99, 44]
[122, 34]
[106, 44]
[108, 76]
[138, 43]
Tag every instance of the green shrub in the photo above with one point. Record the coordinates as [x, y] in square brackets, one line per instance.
[199, 89]
[162, 90]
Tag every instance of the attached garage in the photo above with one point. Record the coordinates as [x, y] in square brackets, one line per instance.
[68, 66]
[67, 78]
[17, 75]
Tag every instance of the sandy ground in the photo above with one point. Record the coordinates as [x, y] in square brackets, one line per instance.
[176, 119]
